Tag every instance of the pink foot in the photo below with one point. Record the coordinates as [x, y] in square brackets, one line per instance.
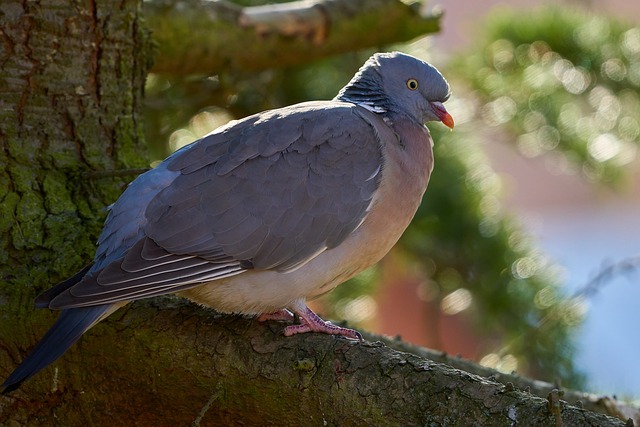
[280, 315]
[311, 322]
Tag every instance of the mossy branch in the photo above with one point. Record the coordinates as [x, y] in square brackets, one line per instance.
[210, 369]
[602, 404]
[205, 37]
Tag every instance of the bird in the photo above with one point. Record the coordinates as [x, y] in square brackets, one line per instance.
[264, 213]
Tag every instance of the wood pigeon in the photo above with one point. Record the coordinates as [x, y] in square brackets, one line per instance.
[266, 212]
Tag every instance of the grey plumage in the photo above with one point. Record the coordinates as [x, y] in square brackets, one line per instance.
[267, 211]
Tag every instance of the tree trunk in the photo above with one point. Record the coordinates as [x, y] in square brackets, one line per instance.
[72, 76]
[72, 80]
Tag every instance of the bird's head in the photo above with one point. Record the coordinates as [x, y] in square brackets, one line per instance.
[400, 83]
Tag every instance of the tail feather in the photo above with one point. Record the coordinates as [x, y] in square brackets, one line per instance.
[43, 300]
[69, 327]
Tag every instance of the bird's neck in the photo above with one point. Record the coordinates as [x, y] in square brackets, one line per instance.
[365, 91]
[415, 154]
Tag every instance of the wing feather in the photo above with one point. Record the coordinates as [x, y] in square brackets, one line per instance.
[268, 192]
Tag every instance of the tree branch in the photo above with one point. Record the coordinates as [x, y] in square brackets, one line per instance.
[596, 403]
[205, 37]
[203, 368]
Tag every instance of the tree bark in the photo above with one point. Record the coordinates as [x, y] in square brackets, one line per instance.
[169, 362]
[72, 79]
[603, 404]
[72, 76]
[204, 37]
[172, 363]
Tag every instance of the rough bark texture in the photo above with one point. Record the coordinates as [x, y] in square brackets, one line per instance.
[72, 75]
[173, 363]
[71, 84]
[204, 37]
[603, 404]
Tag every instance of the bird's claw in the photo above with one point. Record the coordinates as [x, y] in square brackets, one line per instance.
[330, 329]
[311, 322]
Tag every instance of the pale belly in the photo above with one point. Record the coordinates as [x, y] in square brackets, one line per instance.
[264, 291]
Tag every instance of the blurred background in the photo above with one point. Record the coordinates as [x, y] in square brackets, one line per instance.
[584, 213]
[525, 253]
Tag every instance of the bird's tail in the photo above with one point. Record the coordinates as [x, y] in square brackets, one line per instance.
[71, 324]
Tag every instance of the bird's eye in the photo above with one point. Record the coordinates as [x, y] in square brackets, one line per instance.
[412, 84]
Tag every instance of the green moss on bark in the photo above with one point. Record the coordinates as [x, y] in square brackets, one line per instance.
[68, 110]
[27, 232]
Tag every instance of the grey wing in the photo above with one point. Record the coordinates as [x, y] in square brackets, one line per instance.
[287, 191]
[271, 192]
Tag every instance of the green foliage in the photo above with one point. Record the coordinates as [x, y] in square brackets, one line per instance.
[562, 81]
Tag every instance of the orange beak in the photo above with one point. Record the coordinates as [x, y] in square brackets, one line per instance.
[442, 114]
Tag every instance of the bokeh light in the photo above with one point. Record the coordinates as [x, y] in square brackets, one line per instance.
[589, 65]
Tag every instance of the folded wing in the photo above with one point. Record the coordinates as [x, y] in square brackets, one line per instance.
[269, 192]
